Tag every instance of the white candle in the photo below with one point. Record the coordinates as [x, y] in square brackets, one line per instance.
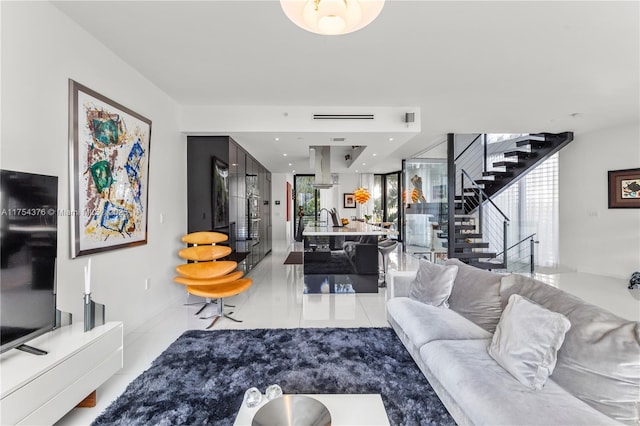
[87, 280]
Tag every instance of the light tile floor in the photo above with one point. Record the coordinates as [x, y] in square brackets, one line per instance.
[276, 300]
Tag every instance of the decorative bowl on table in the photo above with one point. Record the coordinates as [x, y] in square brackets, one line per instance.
[292, 410]
[344, 221]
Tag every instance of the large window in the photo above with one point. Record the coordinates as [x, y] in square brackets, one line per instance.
[532, 206]
[386, 201]
[307, 198]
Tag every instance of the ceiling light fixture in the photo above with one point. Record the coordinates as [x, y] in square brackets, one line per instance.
[332, 17]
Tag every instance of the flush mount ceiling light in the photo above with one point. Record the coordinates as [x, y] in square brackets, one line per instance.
[332, 17]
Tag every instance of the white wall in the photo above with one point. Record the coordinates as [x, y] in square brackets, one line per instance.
[594, 238]
[41, 50]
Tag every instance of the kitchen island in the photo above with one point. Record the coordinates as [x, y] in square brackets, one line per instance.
[341, 259]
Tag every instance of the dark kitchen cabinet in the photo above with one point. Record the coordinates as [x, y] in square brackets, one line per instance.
[246, 202]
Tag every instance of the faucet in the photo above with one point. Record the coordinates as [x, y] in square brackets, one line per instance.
[320, 216]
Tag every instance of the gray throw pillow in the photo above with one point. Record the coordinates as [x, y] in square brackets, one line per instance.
[476, 295]
[433, 283]
[527, 340]
[599, 361]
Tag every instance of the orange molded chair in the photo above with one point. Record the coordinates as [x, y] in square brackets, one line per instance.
[208, 277]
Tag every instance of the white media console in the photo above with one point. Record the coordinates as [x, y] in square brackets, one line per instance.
[41, 389]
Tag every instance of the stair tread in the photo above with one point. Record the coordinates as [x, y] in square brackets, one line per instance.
[487, 265]
[497, 173]
[463, 227]
[533, 143]
[464, 218]
[476, 255]
[472, 235]
[471, 245]
[508, 164]
[518, 153]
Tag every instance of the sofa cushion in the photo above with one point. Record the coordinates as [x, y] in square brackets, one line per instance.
[433, 283]
[489, 395]
[527, 340]
[423, 323]
[476, 295]
[599, 361]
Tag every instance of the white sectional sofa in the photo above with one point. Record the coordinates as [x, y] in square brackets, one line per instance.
[596, 380]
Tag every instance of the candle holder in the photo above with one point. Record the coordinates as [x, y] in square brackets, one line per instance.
[93, 313]
[63, 318]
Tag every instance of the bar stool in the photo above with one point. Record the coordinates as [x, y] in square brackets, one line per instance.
[385, 247]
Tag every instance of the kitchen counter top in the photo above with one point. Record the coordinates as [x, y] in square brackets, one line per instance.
[353, 228]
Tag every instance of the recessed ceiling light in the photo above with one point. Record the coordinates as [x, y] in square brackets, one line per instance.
[293, 171]
[356, 171]
[290, 164]
[284, 155]
[390, 139]
[364, 164]
[276, 139]
[374, 154]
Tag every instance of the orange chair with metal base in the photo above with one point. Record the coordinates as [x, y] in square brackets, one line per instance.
[208, 277]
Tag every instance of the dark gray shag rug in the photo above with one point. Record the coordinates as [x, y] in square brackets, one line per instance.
[201, 378]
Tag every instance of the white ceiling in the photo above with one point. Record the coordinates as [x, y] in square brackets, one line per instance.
[469, 66]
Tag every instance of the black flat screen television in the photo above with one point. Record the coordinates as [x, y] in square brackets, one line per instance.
[28, 246]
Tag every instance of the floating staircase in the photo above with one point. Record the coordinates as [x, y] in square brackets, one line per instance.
[472, 194]
[531, 152]
[467, 241]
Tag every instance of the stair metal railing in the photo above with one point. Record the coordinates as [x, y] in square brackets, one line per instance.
[522, 256]
[493, 226]
[473, 159]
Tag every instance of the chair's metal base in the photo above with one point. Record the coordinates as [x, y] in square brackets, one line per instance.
[219, 313]
[207, 303]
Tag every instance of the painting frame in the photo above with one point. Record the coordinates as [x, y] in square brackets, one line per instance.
[109, 149]
[349, 200]
[624, 189]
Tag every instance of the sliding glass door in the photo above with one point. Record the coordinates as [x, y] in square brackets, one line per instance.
[386, 202]
[307, 200]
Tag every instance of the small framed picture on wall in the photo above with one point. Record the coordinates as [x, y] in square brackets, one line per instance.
[349, 201]
[624, 189]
